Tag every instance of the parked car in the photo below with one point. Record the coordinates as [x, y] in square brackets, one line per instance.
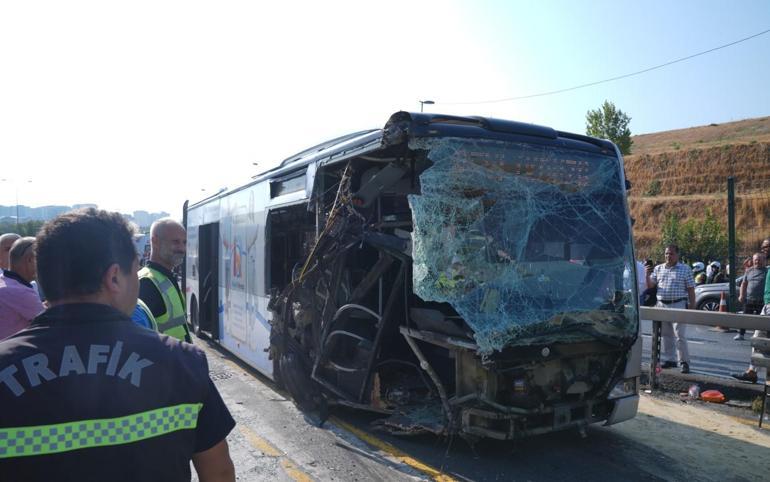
[707, 296]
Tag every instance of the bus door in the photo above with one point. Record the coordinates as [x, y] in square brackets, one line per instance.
[208, 278]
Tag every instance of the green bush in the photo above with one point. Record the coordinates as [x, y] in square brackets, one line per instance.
[653, 188]
[698, 238]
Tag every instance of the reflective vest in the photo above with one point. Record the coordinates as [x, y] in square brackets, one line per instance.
[173, 322]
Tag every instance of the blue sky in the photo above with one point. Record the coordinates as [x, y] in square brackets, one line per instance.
[101, 101]
[544, 46]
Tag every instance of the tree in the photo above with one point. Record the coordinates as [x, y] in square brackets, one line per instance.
[609, 122]
[699, 239]
[27, 228]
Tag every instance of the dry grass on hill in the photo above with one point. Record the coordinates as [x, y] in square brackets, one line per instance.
[745, 131]
[691, 167]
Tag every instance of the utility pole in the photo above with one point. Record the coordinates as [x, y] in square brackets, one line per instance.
[731, 300]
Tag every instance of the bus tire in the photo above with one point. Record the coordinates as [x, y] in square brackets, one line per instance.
[277, 379]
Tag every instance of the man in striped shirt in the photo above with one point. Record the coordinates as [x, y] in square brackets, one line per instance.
[676, 289]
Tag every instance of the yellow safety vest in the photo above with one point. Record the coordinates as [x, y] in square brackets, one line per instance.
[173, 322]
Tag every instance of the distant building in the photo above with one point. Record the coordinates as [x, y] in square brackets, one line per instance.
[144, 219]
[43, 213]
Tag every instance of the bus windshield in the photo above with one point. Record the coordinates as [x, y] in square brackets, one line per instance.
[528, 243]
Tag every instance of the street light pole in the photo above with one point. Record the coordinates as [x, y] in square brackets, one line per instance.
[17, 206]
[425, 102]
[16, 191]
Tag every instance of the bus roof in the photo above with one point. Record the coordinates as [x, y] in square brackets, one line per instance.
[418, 124]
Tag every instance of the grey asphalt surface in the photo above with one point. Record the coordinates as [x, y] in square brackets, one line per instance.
[274, 441]
[711, 353]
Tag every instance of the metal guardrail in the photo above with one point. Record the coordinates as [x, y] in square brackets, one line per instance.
[694, 317]
[705, 318]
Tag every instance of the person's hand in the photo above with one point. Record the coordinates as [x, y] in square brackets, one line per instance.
[648, 269]
[740, 298]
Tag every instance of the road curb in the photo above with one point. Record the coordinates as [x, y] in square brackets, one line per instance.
[675, 382]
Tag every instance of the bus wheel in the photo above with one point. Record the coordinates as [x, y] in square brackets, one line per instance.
[277, 379]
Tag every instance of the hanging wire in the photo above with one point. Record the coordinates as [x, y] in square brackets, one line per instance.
[589, 84]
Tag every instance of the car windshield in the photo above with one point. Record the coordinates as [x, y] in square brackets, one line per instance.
[528, 243]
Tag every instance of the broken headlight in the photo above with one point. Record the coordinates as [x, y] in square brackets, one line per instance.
[624, 388]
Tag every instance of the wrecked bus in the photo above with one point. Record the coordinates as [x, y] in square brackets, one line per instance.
[458, 275]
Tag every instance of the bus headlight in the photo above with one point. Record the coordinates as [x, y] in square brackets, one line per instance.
[624, 388]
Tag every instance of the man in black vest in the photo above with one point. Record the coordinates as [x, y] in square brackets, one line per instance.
[86, 394]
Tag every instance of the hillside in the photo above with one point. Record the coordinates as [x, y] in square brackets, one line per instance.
[685, 171]
[739, 132]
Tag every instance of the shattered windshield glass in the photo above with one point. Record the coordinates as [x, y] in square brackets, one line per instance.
[528, 243]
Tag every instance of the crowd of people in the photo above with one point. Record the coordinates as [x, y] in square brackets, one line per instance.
[101, 381]
[672, 285]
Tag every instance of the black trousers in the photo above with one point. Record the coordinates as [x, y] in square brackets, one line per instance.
[751, 309]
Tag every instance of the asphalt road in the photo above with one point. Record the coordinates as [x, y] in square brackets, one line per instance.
[711, 353]
[274, 441]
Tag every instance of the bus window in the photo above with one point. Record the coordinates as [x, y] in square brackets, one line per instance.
[291, 232]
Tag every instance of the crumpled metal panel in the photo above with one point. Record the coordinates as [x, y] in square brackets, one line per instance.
[528, 243]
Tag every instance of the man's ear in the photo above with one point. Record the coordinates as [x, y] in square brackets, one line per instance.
[110, 280]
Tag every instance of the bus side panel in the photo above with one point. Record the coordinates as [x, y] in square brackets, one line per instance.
[244, 318]
[194, 217]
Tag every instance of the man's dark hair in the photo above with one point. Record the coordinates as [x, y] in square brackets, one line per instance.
[674, 247]
[74, 251]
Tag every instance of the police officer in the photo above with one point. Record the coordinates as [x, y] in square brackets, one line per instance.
[158, 288]
[86, 394]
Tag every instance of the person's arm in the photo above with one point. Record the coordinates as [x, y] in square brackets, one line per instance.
[211, 456]
[691, 298]
[214, 464]
[652, 281]
[742, 291]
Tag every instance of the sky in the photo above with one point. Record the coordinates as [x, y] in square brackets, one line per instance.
[142, 105]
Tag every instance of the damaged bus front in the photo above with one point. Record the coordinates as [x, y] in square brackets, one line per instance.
[469, 276]
[458, 275]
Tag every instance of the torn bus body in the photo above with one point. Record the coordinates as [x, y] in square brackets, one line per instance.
[460, 276]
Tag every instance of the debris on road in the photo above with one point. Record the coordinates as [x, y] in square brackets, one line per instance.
[694, 391]
[714, 396]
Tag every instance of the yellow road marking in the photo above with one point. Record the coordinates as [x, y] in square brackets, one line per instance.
[293, 472]
[260, 443]
[402, 457]
[269, 450]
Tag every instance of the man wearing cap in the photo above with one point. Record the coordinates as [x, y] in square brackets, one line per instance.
[19, 301]
[676, 289]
